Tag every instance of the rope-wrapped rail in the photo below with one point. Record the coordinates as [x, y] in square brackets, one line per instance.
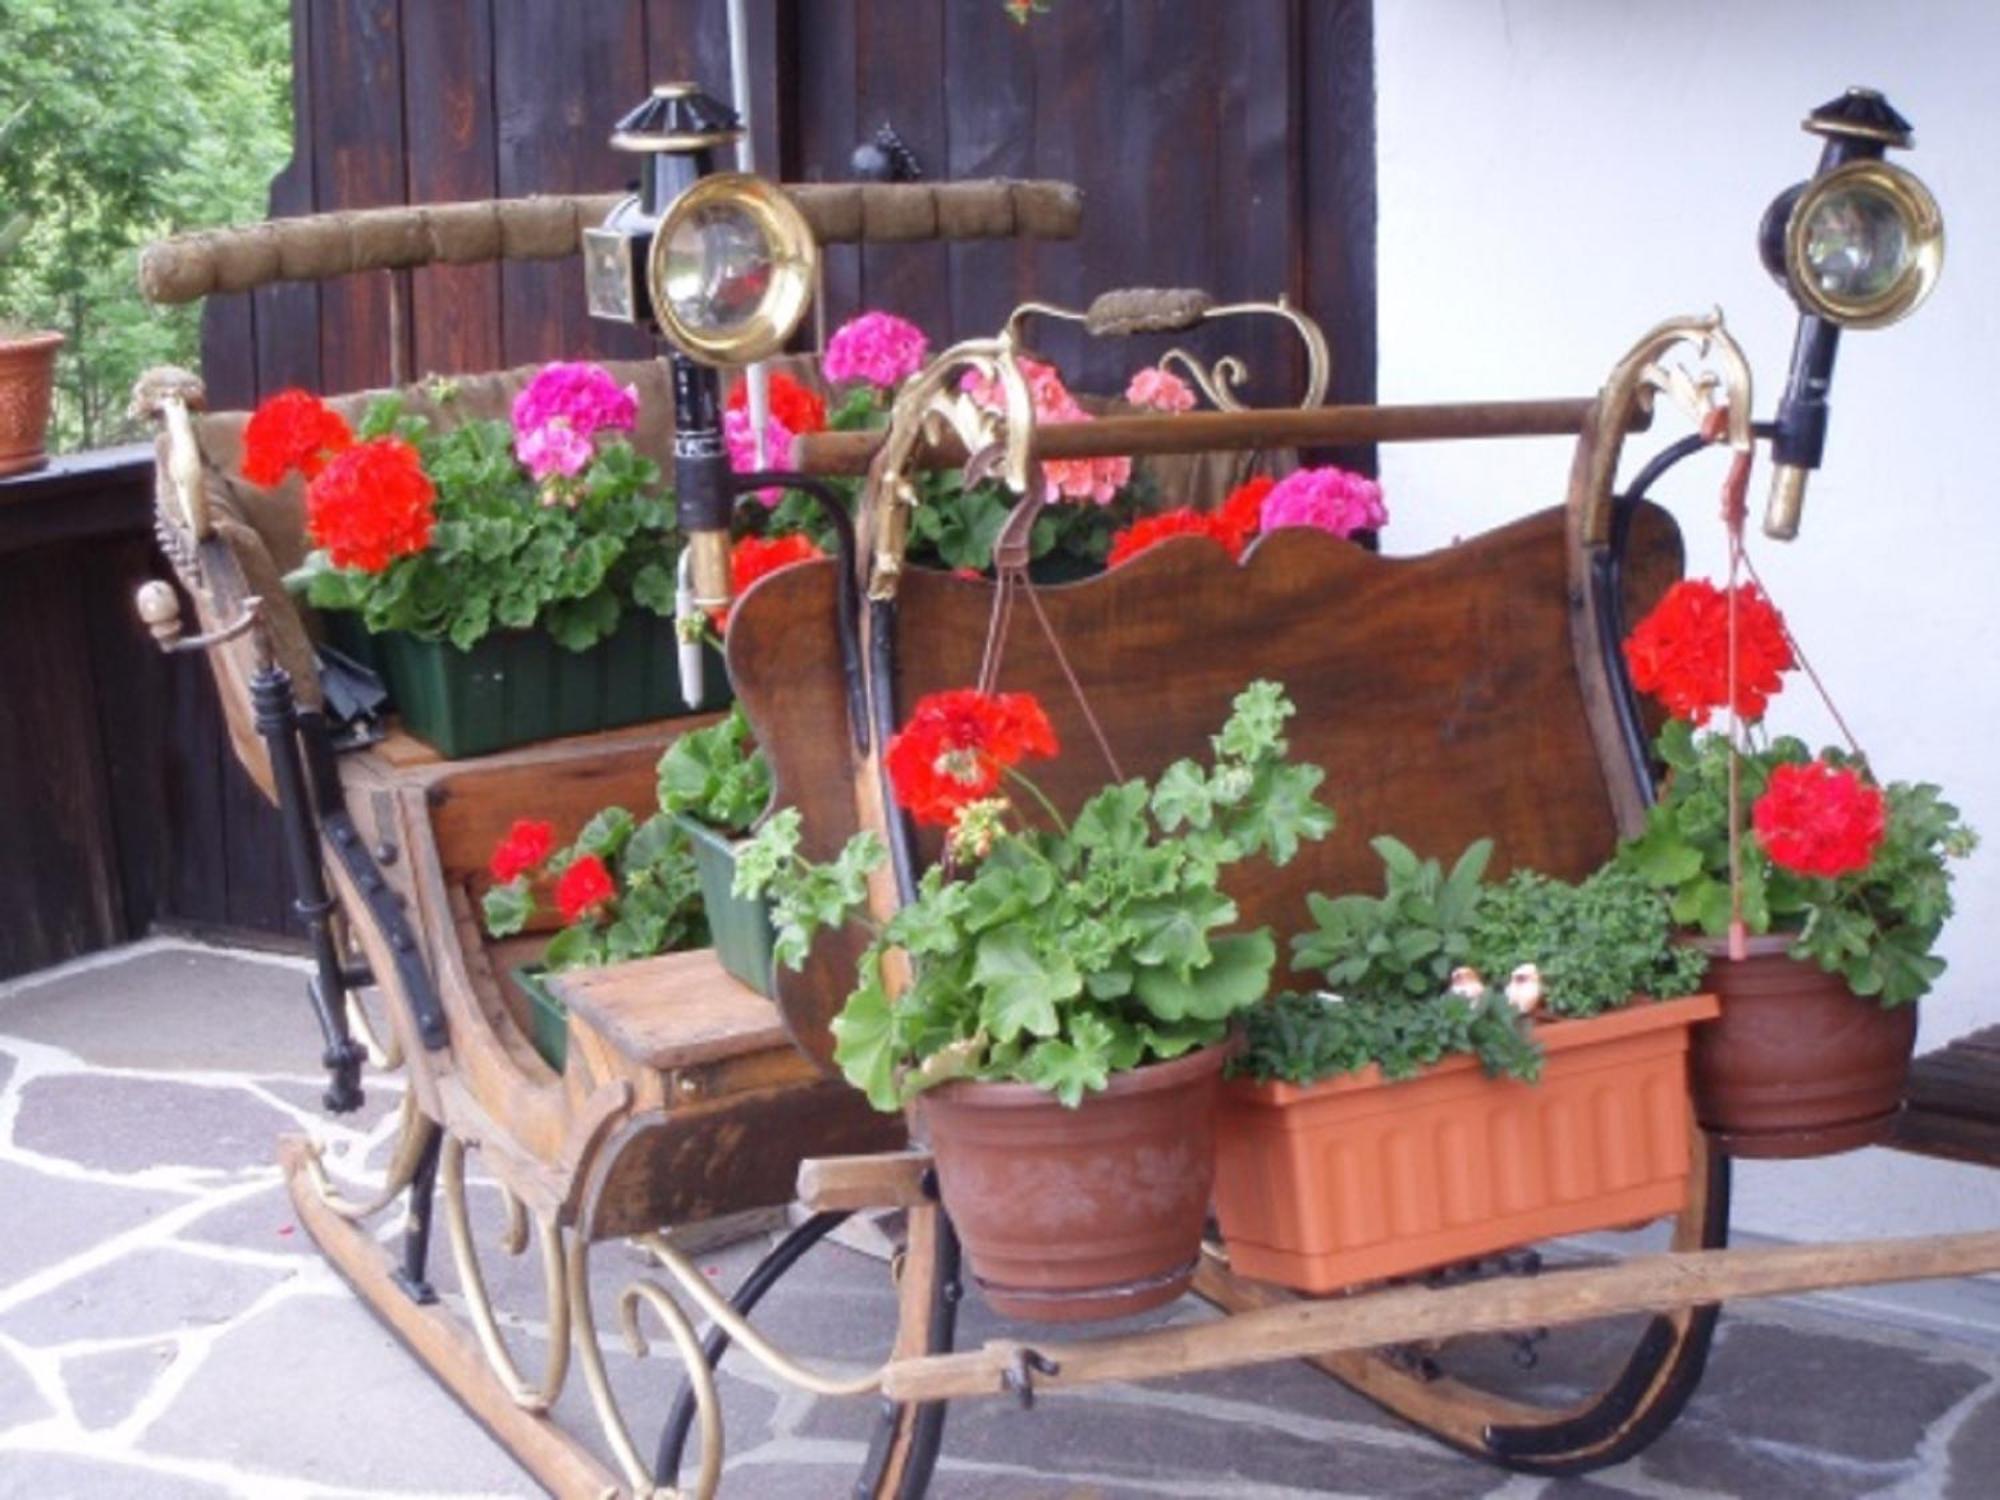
[191, 266]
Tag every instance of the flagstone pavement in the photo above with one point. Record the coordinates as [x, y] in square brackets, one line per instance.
[166, 1330]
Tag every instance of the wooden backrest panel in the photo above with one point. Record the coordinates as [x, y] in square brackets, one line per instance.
[1438, 691]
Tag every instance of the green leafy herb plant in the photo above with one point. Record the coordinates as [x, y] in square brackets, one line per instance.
[1877, 928]
[717, 776]
[500, 559]
[1061, 955]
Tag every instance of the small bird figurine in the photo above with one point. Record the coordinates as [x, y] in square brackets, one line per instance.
[1468, 983]
[1524, 989]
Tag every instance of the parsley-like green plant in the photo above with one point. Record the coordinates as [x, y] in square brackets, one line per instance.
[499, 558]
[656, 905]
[1302, 1039]
[1598, 943]
[1877, 928]
[1058, 956]
[717, 775]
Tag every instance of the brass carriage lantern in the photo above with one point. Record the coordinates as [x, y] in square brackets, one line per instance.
[1858, 245]
[719, 264]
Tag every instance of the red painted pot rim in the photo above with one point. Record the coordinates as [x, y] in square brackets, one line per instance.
[12, 343]
[1631, 1019]
[984, 1093]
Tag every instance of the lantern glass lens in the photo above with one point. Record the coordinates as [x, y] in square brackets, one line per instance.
[1856, 243]
[719, 265]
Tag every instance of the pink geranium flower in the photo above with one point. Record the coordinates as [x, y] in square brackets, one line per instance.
[558, 413]
[555, 451]
[1094, 479]
[876, 348]
[1331, 499]
[740, 438]
[1159, 390]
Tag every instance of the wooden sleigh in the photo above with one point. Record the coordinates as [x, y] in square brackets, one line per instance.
[1472, 691]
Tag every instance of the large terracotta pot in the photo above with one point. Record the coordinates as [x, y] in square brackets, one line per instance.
[27, 383]
[1798, 1065]
[1358, 1178]
[1092, 1212]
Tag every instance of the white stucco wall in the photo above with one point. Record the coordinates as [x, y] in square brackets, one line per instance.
[1557, 175]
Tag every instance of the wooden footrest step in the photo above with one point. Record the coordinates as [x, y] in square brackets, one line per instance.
[675, 1011]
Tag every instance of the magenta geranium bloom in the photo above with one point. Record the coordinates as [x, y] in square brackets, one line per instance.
[876, 348]
[740, 438]
[1331, 499]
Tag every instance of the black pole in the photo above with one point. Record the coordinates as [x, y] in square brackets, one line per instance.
[413, 1275]
[277, 723]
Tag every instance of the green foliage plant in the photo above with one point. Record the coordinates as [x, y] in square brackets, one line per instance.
[501, 559]
[657, 908]
[1395, 966]
[1060, 955]
[128, 123]
[1877, 928]
[717, 775]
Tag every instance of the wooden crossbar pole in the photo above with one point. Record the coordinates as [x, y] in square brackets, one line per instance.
[1209, 431]
[1653, 1283]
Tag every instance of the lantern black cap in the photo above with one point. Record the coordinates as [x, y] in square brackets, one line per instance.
[677, 117]
[1861, 114]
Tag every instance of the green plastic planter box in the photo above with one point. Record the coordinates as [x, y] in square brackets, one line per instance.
[739, 927]
[519, 686]
[551, 1029]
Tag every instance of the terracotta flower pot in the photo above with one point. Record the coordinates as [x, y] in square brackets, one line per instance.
[1092, 1212]
[27, 384]
[1798, 1065]
[1358, 1179]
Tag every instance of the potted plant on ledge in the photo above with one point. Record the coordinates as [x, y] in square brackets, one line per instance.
[513, 582]
[1071, 987]
[1820, 901]
[27, 357]
[714, 785]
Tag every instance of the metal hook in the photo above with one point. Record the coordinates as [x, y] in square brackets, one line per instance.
[1019, 1377]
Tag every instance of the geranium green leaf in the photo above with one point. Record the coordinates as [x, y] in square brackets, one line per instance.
[1182, 797]
[864, 1046]
[1021, 985]
[1238, 975]
[507, 907]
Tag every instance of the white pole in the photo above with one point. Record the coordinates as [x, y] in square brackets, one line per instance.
[746, 161]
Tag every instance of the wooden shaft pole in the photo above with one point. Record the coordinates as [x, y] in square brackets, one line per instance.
[1209, 431]
[1653, 1283]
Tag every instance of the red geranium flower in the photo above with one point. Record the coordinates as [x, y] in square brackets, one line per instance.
[526, 845]
[1680, 652]
[955, 746]
[1150, 531]
[1818, 819]
[801, 410]
[292, 430]
[755, 557]
[585, 885]
[1240, 517]
[371, 505]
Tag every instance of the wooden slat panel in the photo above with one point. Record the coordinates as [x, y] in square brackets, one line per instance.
[562, 75]
[288, 330]
[448, 59]
[672, 1011]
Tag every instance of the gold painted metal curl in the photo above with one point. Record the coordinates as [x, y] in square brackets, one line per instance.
[1218, 382]
[708, 1407]
[555, 1369]
[414, 1134]
[929, 406]
[1717, 383]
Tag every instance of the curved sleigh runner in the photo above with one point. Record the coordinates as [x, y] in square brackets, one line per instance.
[1475, 690]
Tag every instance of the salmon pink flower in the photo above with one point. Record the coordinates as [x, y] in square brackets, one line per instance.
[1095, 479]
[1159, 390]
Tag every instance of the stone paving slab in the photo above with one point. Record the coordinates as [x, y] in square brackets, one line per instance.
[167, 1332]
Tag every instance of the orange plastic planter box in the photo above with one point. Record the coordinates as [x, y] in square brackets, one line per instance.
[1357, 1179]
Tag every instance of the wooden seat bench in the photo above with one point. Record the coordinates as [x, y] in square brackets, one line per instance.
[1951, 1106]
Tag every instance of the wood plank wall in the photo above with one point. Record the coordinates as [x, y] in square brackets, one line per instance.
[1229, 147]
